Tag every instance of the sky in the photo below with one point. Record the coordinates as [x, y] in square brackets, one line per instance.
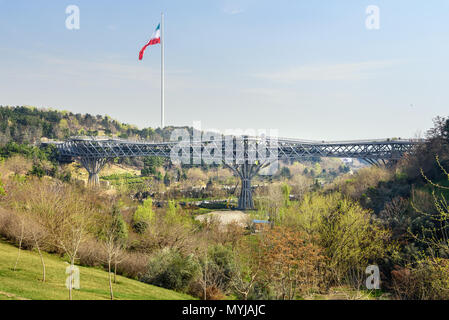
[308, 69]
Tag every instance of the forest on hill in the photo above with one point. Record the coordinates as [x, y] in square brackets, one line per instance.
[27, 125]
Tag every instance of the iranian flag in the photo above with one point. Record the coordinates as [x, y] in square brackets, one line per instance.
[155, 39]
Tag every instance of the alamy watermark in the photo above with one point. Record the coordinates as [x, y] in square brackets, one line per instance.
[372, 21]
[73, 279]
[72, 21]
[373, 280]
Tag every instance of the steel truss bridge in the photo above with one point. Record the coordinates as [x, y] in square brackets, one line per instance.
[244, 155]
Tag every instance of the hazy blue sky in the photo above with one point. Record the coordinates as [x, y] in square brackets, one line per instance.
[310, 68]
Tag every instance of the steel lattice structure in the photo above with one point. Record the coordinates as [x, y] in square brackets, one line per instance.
[244, 155]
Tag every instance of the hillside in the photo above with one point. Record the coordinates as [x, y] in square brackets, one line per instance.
[25, 125]
[25, 282]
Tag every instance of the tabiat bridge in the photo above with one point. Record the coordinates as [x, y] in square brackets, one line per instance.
[244, 155]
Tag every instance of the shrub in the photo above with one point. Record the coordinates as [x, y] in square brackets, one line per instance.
[175, 215]
[286, 190]
[171, 270]
[351, 239]
[361, 181]
[219, 266]
[170, 229]
[292, 265]
[143, 216]
[132, 264]
[300, 185]
[37, 170]
[427, 279]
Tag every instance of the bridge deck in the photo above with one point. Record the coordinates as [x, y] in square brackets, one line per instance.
[234, 148]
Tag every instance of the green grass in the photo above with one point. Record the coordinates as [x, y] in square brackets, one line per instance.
[26, 282]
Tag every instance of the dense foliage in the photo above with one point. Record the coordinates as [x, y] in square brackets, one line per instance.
[27, 125]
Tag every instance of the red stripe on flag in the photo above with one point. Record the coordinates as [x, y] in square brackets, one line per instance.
[152, 42]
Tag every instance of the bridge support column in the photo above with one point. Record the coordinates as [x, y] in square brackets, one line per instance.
[93, 167]
[246, 173]
[246, 201]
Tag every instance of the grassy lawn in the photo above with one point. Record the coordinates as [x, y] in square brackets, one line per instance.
[26, 282]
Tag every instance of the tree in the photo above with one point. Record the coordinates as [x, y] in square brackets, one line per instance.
[151, 164]
[166, 179]
[170, 229]
[170, 269]
[273, 204]
[249, 266]
[292, 265]
[143, 216]
[440, 129]
[436, 236]
[27, 214]
[112, 234]
[22, 234]
[286, 189]
[53, 214]
[351, 239]
[67, 216]
[217, 270]
[285, 173]
[171, 214]
[33, 225]
[301, 184]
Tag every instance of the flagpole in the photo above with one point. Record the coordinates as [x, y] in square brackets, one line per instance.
[162, 73]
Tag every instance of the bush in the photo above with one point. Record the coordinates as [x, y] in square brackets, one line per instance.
[219, 268]
[132, 264]
[37, 171]
[351, 239]
[361, 181]
[171, 270]
[143, 216]
[291, 265]
[428, 279]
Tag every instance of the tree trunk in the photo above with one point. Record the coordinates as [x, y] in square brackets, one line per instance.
[42, 261]
[115, 272]
[110, 280]
[20, 247]
[72, 263]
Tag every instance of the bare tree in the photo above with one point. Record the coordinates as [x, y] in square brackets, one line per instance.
[31, 230]
[113, 234]
[35, 232]
[67, 216]
[248, 260]
[22, 233]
